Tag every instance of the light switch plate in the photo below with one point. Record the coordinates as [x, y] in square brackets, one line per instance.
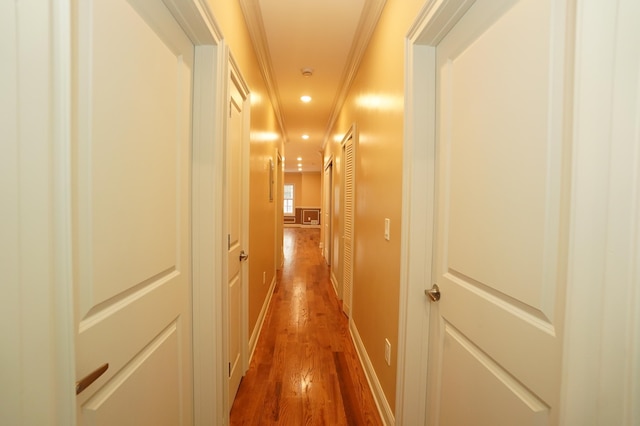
[387, 225]
[387, 351]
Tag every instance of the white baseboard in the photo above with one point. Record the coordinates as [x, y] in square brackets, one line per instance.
[253, 340]
[334, 282]
[374, 384]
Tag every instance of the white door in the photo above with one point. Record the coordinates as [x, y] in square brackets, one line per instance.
[348, 212]
[279, 188]
[326, 208]
[132, 96]
[236, 253]
[495, 343]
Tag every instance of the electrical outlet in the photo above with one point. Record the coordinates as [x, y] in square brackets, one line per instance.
[264, 277]
[387, 351]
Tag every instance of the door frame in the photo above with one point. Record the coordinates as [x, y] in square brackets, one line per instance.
[279, 199]
[352, 135]
[232, 73]
[602, 271]
[327, 195]
[209, 108]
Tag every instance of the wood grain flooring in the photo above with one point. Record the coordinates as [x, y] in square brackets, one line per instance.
[305, 370]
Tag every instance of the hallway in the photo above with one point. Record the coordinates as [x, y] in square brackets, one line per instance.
[305, 369]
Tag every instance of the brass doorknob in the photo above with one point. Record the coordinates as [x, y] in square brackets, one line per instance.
[243, 256]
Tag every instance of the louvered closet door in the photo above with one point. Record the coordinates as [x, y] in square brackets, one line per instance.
[349, 186]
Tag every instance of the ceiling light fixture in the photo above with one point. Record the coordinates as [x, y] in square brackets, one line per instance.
[307, 72]
[305, 98]
[305, 137]
[299, 158]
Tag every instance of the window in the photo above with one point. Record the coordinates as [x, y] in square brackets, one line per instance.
[288, 198]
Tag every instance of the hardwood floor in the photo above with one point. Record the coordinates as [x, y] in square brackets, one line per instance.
[305, 370]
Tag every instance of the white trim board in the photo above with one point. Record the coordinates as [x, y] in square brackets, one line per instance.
[372, 379]
[257, 330]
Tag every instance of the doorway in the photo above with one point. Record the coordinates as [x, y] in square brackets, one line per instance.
[327, 205]
[490, 265]
[348, 225]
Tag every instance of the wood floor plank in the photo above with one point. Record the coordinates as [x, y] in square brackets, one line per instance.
[305, 370]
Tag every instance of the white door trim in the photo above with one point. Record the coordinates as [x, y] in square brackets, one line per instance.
[603, 304]
[37, 313]
[432, 23]
[601, 373]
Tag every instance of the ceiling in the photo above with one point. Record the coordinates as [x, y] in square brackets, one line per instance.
[326, 37]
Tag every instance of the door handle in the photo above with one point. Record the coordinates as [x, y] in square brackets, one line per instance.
[86, 381]
[243, 256]
[433, 293]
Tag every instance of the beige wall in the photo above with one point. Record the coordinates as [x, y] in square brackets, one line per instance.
[375, 105]
[307, 188]
[264, 146]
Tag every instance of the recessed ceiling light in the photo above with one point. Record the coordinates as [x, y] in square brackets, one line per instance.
[305, 98]
[299, 165]
[299, 158]
[305, 137]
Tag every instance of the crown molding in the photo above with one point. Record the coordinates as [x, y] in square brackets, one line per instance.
[258, 35]
[368, 21]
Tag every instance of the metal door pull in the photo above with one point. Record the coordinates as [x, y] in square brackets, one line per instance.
[90, 378]
[243, 256]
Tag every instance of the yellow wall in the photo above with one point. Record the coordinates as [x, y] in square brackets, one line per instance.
[265, 143]
[307, 188]
[375, 105]
[311, 188]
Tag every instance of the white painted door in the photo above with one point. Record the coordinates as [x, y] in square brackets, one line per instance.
[279, 213]
[348, 212]
[132, 96]
[235, 238]
[495, 343]
[326, 208]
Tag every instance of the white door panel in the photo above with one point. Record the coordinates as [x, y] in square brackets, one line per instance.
[236, 231]
[326, 217]
[495, 355]
[348, 152]
[132, 137]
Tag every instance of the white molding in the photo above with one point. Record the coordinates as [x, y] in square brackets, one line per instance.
[601, 373]
[62, 233]
[334, 282]
[257, 33]
[372, 379]
[432, 23]
[366, 27]
[207, 222]
[300, 225]
[255, 335]
[37, 309]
